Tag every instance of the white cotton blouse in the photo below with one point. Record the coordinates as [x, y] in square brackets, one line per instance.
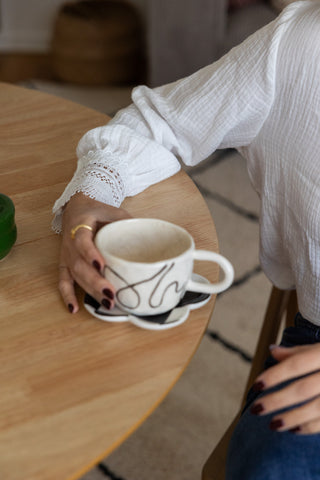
[262, 98]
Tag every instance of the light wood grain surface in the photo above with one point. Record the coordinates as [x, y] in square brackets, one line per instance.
[73, 387]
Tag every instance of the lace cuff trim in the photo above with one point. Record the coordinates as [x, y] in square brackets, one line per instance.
[96, 178]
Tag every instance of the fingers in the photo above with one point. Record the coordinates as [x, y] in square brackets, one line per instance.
[84, 265]
[89, 280]
[88, 267]
[302, 395]
[281, 353]
[92, 282]
[293, 362]
[302, 420]
[297, 392]
[84, 245]
[66, 288]
[308, 427]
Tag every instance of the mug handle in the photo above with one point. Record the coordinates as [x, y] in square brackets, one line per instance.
[212, 287]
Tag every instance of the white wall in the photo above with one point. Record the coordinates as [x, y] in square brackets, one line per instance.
[26, 25]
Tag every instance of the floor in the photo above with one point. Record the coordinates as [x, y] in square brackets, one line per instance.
[176, 439]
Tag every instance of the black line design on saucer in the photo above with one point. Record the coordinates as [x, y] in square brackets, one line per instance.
[92, 302]
[108, 473]
[191, 298]
[188, 299]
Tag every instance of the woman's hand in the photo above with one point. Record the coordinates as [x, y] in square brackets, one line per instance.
[80, 261]
[293, 362]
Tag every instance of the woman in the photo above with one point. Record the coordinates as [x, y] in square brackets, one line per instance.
[262, 98]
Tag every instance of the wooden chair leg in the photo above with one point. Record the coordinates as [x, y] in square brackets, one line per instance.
[279, 302]
[292, 308]
[277, 305]
[215, 466]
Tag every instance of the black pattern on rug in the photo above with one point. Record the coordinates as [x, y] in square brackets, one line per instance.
[108, 473]
[218, 157]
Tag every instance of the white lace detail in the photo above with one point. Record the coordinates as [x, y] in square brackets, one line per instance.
[96, 177]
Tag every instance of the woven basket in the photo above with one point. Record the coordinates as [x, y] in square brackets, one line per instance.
[97, 42]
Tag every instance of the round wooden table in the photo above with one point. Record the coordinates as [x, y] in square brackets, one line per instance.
[73, 388]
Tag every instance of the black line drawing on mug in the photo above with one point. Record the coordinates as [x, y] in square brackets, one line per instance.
[162, 273]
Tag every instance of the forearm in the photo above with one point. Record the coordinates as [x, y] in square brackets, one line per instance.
[222, 105]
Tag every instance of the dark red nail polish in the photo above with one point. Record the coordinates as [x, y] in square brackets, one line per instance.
[257, 409]
[96, 265]
[70, 307]
[295, 429]
[108, 293]
[258, 386]
[276, 424]
[106, 303]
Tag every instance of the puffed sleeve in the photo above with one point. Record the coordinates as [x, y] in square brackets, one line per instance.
[222, 105]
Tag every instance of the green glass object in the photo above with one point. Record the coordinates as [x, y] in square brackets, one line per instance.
[8, 229]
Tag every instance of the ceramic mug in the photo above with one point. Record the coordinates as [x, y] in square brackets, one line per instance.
[150, 264]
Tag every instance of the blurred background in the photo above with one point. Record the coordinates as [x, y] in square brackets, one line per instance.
[154, 41]
[94, 53]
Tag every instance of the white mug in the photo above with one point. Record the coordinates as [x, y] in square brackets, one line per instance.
[150, 263]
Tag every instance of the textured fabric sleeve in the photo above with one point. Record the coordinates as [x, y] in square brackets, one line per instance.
[222, 105]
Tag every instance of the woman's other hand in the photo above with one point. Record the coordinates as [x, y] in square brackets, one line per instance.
[80, 261]
[303, 394]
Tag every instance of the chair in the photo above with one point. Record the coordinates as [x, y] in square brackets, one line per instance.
[282, 304]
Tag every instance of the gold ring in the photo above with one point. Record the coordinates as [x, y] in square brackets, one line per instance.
[76, 228]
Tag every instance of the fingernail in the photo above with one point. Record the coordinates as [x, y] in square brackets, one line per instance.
[258, 386]
[257, 409]
[273, 346]
[276, 424]
[70, 307]
[295, 429]
[96, 265]
[106, 303]
[108, 293]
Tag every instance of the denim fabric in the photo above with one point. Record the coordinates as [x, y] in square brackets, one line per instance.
[256, 452]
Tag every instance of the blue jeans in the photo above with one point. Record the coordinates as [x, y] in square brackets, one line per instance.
[258, 453]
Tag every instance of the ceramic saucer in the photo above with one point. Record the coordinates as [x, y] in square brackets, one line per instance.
[163, 321]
